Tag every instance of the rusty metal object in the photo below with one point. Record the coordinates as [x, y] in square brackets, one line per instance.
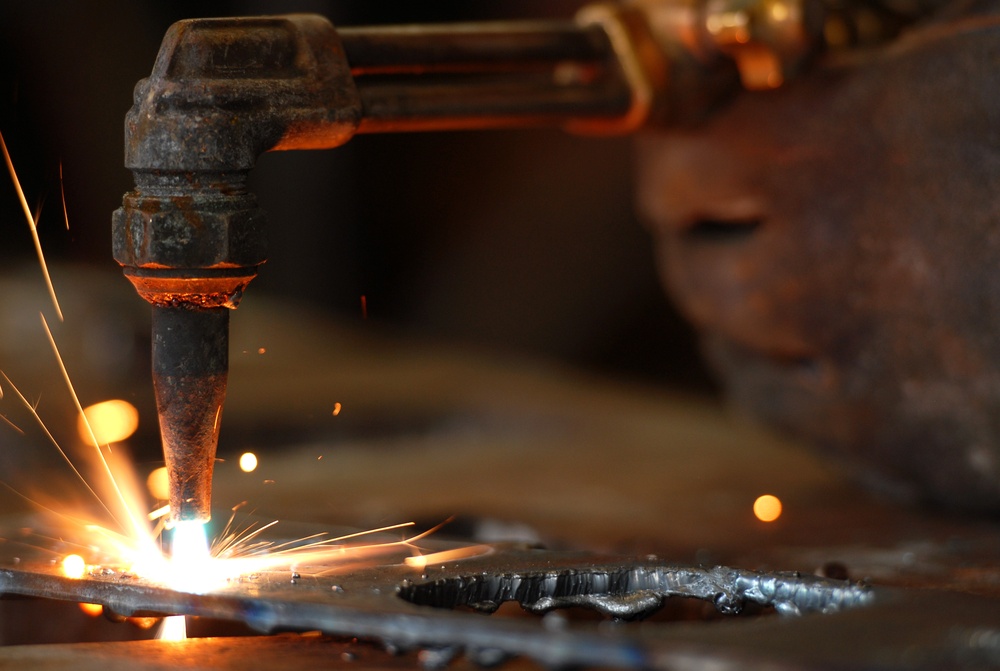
[861, 318]
[405, 608]
[190, 236]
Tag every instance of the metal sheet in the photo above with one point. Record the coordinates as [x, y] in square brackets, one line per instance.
[862, 627]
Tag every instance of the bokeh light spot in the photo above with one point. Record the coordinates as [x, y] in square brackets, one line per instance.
[158, 484]
[73, 566]
[111, 421]
[767, 508]
[248, 462]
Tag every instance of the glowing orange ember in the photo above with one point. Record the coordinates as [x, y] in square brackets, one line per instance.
[74, 567]
[336, 409]
[110, 422]
[92, 609]
[248, 462]
[767, 508]
[261, 350]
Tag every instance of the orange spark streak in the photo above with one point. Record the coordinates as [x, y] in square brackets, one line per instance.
[138, 528]
[12, 424]
[32, 225]
[420, 561]
[55, 443]
[159, 512]
[62, 194]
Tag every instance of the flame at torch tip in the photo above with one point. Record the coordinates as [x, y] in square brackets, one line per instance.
[191, 565]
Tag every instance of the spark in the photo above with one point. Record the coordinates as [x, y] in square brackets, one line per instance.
[74, 566]
[11, 424]
[34, 412]
[156, 514]
[136, 526]
[420, 561]
[5, 419]
[132, 544]
[33, 226]
[336, 409]
[248, 462]
[364, 306]
[62, 195]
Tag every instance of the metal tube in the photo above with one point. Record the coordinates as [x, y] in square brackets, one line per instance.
[467, 47]
[491, 75]
[391, 105]
[190, 368]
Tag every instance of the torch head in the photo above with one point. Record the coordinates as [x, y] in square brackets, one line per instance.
[190, 236]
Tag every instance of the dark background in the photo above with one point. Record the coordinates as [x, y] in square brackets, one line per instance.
[517, 240]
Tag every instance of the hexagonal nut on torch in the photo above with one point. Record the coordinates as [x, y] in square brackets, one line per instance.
[200, 250]
[181, 232]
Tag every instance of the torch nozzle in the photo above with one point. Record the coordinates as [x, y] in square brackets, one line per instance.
[190, 368]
